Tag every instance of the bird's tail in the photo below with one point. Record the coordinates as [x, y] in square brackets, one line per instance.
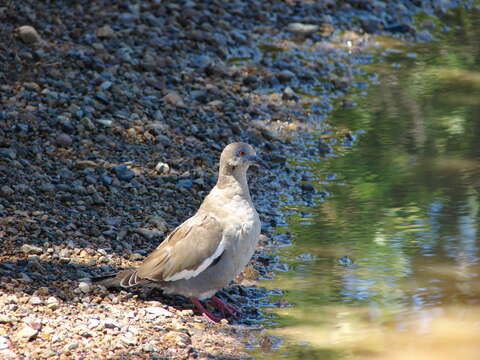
[112, 280]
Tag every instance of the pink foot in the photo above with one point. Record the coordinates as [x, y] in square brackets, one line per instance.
[226, 308]
[201, 310]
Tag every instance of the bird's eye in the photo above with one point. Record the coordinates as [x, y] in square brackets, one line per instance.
[241, 153]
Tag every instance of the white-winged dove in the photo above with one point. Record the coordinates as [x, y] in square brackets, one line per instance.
[204, 253]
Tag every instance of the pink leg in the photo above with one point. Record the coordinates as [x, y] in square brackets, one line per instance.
[201, 310]
[226, 308]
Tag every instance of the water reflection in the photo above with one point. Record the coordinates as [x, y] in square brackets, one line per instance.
[403, 208]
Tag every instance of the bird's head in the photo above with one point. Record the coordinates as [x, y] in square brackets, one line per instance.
[238, 156]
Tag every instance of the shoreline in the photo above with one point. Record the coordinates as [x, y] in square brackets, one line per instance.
[112, 123]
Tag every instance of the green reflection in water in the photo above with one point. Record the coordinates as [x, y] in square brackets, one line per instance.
[404, 205]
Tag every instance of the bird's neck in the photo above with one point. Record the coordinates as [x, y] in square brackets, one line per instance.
[234, 180]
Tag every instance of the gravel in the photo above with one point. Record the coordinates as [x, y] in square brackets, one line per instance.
[112, 118]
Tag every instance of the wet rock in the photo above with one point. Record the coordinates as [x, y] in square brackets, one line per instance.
[307, 187]
[28, 34]
[424, 36]
[399, 28]
[123, 172]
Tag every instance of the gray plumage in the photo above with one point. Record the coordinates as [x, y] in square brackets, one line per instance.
[204, 253]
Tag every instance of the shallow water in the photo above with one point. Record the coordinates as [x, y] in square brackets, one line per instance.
[385, 262]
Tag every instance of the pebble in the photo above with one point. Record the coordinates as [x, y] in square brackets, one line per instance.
[85, 287]
[174, 99]
[105, 122]
[105, 32]
[149, 234]
[285, 76]
[64, 140]
[31, 249]
[35, 300]
[158, 311]
[28, 34]
[123, 172]
[162, 168]
[26, 333]
[289, 94]
[6, 191]
[302, 29]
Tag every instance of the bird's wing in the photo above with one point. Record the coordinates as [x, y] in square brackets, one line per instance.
[190, 249]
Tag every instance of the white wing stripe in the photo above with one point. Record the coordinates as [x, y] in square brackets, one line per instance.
[187, 274]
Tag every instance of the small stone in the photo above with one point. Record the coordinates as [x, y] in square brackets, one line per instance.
[8, 154]
[123, 172]
[6, 191]
[250, 79]
[302, 29]
[5, 319]
[64, 140]
[31, 249]
[105, 32]
[149, 234]
[52, 303]
[35, 300]
[199, 95]
[47, 188]
[70, 347]
[107, 180]
[285, 76]
[111, 324]
[174, 99]
[129, 339]
[185, 183]
[136, 257]
[162, 168]
[4, 343]
[307, 187]
[105, 122]
[289, 94]
[28, 34]
[84, 287]
[24, 278]
[26, 333]
[158, 311]
[148, 348]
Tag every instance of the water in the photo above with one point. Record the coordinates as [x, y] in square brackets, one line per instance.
[387, 265]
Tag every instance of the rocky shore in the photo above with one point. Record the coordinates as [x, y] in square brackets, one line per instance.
[112, 118]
